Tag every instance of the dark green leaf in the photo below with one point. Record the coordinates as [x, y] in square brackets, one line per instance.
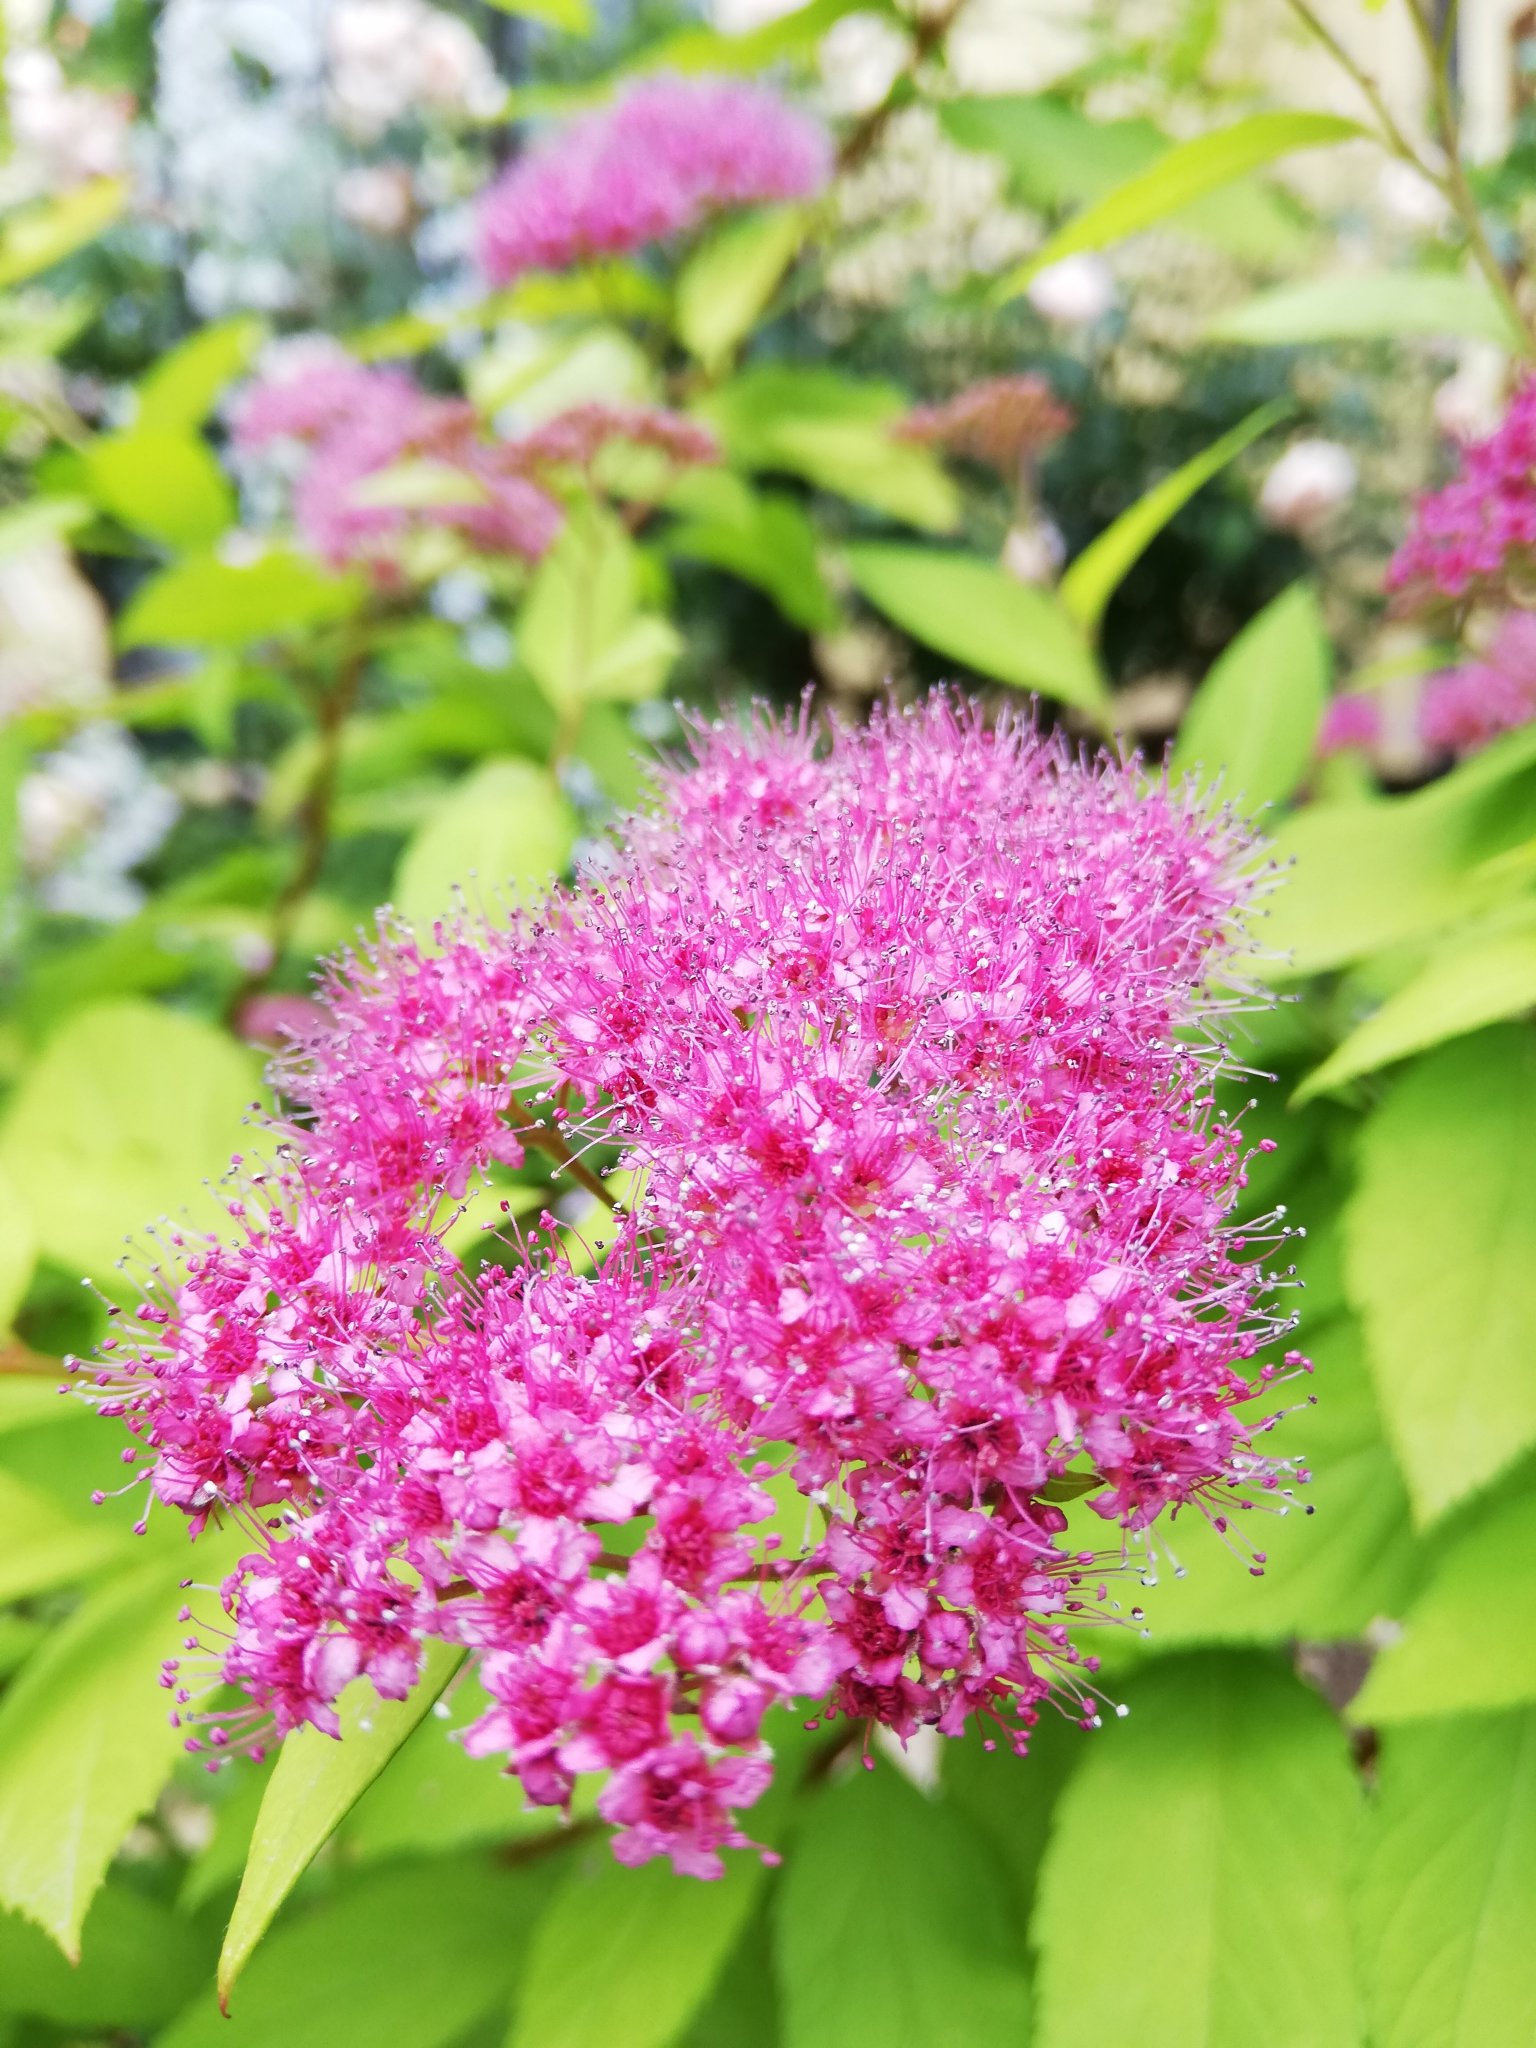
[139, 1963]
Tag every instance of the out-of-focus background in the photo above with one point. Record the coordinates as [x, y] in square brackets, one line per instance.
[367, 523]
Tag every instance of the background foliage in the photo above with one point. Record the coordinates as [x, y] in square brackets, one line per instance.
[218, 755]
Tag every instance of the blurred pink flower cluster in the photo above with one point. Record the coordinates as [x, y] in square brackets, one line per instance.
[357, 422]
[668, 153]
[1460, 709]
[1469, 538]
[908, 1038]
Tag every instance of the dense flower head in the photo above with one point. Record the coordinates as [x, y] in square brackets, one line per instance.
[664, 156]
[1474, 537]
[1002, 421]
[893, 1052]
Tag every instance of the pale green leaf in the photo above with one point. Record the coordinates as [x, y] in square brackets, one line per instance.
[27, 1398]
[581, 635]
[1368, 305]
[34, 238]
[1469, 1640]
[725, 286]
[1194, 1889]
[969, 609]
[893, 1925]
[1186, 173]
[1443, 1901]
[183, 387]
[162, 483]
[574, 16]
[1255, 717]
[412, 1957]
[1328, 1572]
[662, 1940]
[85, 1746]
[1097, 573]
[1440, 1259]
[121, 1120]
[315, 1783]
[204, 602]
[41, 519]
[18, 1248]
[418, 485]
[41, 1547]
[502, 835]
[1481, 979]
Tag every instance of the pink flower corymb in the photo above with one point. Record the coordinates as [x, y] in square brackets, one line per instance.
[907, 1037]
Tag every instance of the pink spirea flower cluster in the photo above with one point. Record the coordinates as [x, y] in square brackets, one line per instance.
[1469, 537]
[1460, 710]
[356, 422]
[907, 1038]
[668, 153]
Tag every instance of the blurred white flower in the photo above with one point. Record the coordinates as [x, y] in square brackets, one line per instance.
[1075, 292]
[55, 650]
[389, 58]
[88, 814]
[63, 134]
[861, 57]
[1410, 199]
[1034, 553]
[378, 198]
[1312, 479]
[1470, 404]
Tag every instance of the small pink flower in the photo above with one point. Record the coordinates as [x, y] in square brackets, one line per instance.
[1477, 533]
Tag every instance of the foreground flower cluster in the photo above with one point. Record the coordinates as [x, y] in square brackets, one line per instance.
[906, 1041]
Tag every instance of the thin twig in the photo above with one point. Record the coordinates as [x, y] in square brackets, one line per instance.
[928, 37]
[1392, 134]
[541, 1138]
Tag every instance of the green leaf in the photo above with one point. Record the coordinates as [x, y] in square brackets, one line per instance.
[160, 482]
[972, 611]
[725, 286]
[27, 1398]
[581, 634]
[205, 602]
[413, 1957]
[893, 1925]
[1367, 874]
[1187, 172]
[1469, 1640]
[41, 1547]
[419, 485]
[1254, 721]
[128, 1110]
[24, 526]
[1011, 1800]
[1056, 155]
[34, 238]
[18, 1248]
[1093, 578]
[574, 16]
[1194, 1889]
[179, 393]
[662, 1942]
[139, 1963]
[763, 537]
[835, 432]
[1327, 1573]
[1443, 1902]
[314, 1784]
[708, 49]
[1440, 1261]
[85, 1747]
[1481, 979]
[1381, 304]
[502, 835]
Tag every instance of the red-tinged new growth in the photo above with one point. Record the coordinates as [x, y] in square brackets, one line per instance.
[907, 1038]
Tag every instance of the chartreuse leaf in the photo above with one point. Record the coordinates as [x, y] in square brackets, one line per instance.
[42, 1547]
[415, 1956]
[1443, 1901]
[1440, 1262]
[972, 611]
[85, 1746]
[503, 834]
[574, 16]
[205, 602]
[1187, 172]
[762, 536]
[181, 390]
[1367, 874]
[725, 286]
[34, 238]
[18, 1248]
[1326, 1574]
[893, 1925]
[315, 1784]
[1481, 979]
[139, 1964]
[1208, 1840]
[160, 481]
[1369, 304]
[127, 1111]
[1255, 718]
[1469, 1640]
[27, 1398]
[582, 634]
[661, 1941]
[1097, 573]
